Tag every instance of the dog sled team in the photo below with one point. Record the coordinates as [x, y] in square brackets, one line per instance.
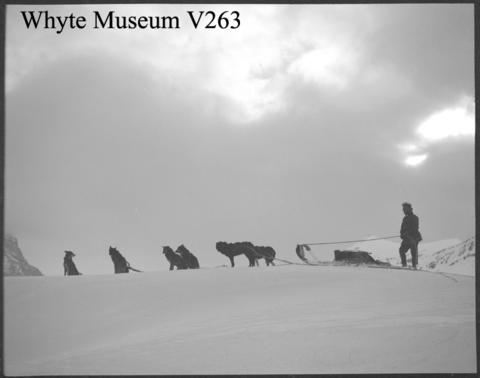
[182, 258]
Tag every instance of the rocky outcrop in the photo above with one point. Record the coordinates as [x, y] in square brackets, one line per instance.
[14, 263]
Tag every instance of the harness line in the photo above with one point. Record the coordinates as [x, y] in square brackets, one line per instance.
[351, 241]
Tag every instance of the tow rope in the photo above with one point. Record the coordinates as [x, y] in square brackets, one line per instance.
[351, 241]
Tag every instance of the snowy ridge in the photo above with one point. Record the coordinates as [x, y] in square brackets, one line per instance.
[277, 320]
[14, 263]
[459, 258]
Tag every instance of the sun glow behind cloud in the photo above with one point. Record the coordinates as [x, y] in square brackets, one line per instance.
[448, 123]
[445, 125]
[330, 66]
[415, 160]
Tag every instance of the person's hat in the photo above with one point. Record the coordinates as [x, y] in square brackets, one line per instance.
[406, 204]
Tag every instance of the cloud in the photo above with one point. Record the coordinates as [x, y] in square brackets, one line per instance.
[410, 147]
[360, 53]
[415, 160]
[329, 67]
[449, 123]
[250, 68]
[431, 43]
[446, 125]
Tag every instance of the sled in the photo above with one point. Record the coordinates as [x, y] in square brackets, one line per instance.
[347, 258]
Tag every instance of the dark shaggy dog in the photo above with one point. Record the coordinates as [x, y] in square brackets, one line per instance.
[188, 257]
[240, 248]
[69, 268]
[175, 259]
[267, 253]
[120, 264]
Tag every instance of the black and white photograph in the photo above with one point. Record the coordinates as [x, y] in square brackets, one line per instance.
[239, 189]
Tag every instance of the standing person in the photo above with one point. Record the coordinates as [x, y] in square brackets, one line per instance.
[410, 235]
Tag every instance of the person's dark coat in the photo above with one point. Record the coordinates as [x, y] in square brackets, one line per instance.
[409, 228]
[410, 236]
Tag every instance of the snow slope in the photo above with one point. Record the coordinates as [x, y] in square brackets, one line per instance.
[277, 320]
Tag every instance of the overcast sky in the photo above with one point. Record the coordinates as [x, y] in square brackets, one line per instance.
[308, 123]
